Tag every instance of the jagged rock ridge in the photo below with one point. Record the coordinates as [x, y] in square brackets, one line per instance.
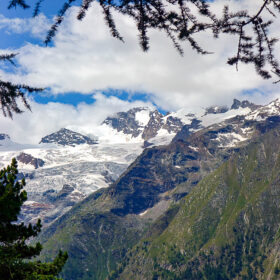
[119, 216]
[243, 104]
[66, 137]
[91, 167]
[143, 122]
[235, 105]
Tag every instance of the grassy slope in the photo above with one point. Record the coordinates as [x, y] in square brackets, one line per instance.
[93, 236]
[226, 228]
[97, 232]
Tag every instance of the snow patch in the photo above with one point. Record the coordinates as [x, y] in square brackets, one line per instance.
[211, 119]
[194, 148]
[183, 114]
[143, 213]
[143, 117]
[163, 137]
[230, 139]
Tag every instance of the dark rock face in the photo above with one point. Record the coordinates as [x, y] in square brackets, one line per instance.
[236, 104]
[161, 169]
[66, 190]
[270, 123]
[216, 110]
[29, 159]
[4, 136]
[125, 122]
[67, 137]
[187, 130]
[173, 124]
[147, 144]
[154, 125]
[243, 104]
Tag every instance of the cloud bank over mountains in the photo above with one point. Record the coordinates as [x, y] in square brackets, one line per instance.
[30, 127]
[85, 58]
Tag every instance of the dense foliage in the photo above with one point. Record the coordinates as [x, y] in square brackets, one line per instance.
[15, 253]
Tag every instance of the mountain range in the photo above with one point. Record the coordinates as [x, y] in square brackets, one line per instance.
[66, 166]
[192, 195]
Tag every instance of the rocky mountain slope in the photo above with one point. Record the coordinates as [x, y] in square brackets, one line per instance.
[154, 127]
[226, 228]
[148, 196]
[77, 165]
[30, 160]
[66, 137]
[144, 123]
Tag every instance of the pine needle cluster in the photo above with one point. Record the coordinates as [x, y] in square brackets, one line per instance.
[181, 20]
[11, 93]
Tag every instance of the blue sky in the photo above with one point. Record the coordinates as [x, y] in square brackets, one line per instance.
[75, 98]
[13, 40]
[10, 40]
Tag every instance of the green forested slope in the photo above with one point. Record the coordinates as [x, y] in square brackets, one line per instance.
[228, 227]
[97, 232]
[225, 225]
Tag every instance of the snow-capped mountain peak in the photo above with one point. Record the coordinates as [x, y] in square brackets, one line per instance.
[121, 138]
[149, 125]
[131, 122]
[263, 112]
[66, 137]
[143, 124]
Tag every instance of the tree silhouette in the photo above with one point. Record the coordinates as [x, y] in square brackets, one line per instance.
[15, 253]
[10, 93]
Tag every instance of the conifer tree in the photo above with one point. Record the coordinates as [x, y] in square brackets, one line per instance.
[15, 253]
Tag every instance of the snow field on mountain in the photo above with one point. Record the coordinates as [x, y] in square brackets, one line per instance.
[73, 171]
[143, 117]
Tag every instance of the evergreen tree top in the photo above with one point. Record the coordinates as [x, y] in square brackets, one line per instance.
[14, 252]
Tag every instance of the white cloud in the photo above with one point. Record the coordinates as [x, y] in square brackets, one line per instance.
[86, 58]
[37, 26]
[44, 119]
